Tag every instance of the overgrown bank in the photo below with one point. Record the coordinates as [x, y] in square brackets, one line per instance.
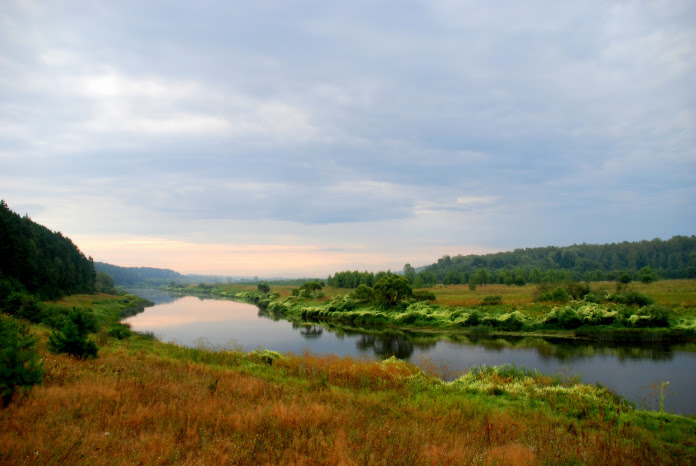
[148, 402]
[573, 310]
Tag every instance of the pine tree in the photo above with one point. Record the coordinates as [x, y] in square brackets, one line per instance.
[72, 338]
[20, 365]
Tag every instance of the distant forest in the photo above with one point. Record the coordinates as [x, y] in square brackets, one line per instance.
[39, 261]
[673, 258]
[131, 276]
[151, 276]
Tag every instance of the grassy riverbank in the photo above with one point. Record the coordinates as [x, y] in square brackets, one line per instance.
[662, 310]
[148, 402]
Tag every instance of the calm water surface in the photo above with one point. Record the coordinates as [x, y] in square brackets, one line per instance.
[632, 371]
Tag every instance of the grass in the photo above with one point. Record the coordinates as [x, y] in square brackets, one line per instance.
[143, 401]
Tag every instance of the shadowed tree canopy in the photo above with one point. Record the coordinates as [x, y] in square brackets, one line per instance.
[391, 289]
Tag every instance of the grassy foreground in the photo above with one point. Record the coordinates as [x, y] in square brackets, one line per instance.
[142, 401]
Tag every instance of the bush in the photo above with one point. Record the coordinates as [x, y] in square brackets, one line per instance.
[263, 287]
[632, 298]
[20, 365]
[474, 319]
[72, 338]
[363, 293]
[566, 318]
[120, 332]
[492, 300]
[423, 295]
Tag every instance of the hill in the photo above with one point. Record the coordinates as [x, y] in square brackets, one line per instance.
[40, 261]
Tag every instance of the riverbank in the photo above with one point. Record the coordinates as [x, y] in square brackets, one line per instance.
[661, 311]
[145, 401]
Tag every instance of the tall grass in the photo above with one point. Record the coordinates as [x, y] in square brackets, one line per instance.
[151, 403]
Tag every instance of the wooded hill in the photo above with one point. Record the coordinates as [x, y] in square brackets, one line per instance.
[644, 260]
[132, 276]
[673, 258]
[40, 261]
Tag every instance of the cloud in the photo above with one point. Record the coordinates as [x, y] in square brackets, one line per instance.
[402, 128]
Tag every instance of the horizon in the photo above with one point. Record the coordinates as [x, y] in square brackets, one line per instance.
[276, 140]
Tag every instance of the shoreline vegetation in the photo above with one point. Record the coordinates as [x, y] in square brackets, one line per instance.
[604, 311]
[144, 401]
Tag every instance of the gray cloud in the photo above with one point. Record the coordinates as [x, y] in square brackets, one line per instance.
[561, 118]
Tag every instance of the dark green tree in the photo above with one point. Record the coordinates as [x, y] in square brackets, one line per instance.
[410, 273]
[104, 283]
[363, 293]
[72, 338]
[20, 365]
[647, 275]
[391, 289]
[263, 287]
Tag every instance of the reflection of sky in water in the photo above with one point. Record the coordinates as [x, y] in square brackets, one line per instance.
[627, 370]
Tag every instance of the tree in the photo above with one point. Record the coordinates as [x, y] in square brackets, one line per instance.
[72, 338]
[363, 293]
[647, 274]
[263, 287]
[391, 289]
[20, 365]
[104, 283]
[409, 273]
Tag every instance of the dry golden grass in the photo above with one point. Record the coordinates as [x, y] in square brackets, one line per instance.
[129, 406]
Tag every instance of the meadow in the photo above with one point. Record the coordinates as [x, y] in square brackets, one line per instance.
[143, 401]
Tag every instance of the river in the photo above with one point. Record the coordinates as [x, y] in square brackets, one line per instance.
[634, 371]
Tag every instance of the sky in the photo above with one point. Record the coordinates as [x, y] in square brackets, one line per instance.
[300, 138]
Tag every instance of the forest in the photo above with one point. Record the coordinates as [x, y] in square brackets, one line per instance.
[38, 261]
[642, 261]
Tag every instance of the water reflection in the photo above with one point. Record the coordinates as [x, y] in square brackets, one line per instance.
[386, 346]
[309, 331]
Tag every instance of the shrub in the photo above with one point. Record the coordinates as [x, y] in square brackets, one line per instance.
[120, 332]
[565, 317]
[424, 295]
[473, 319]
[592, 298]
[492, 300]
[263, 287]
[72, 338]
[632, 298]
[363, 293]
[20, 365]
[511, 323]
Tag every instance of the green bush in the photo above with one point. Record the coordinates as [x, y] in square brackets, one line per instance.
[363, 293]
[492, 300]
[120, 332]
[566, 318]
[632, 298]
[20, 365]
[424, 295]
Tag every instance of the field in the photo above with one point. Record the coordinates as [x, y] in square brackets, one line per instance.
[142, 401]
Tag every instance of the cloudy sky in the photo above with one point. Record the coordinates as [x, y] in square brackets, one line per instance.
[300, 138]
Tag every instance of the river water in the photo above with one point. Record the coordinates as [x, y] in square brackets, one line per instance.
[634, 371]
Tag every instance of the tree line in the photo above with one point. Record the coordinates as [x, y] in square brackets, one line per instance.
[644, 260]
